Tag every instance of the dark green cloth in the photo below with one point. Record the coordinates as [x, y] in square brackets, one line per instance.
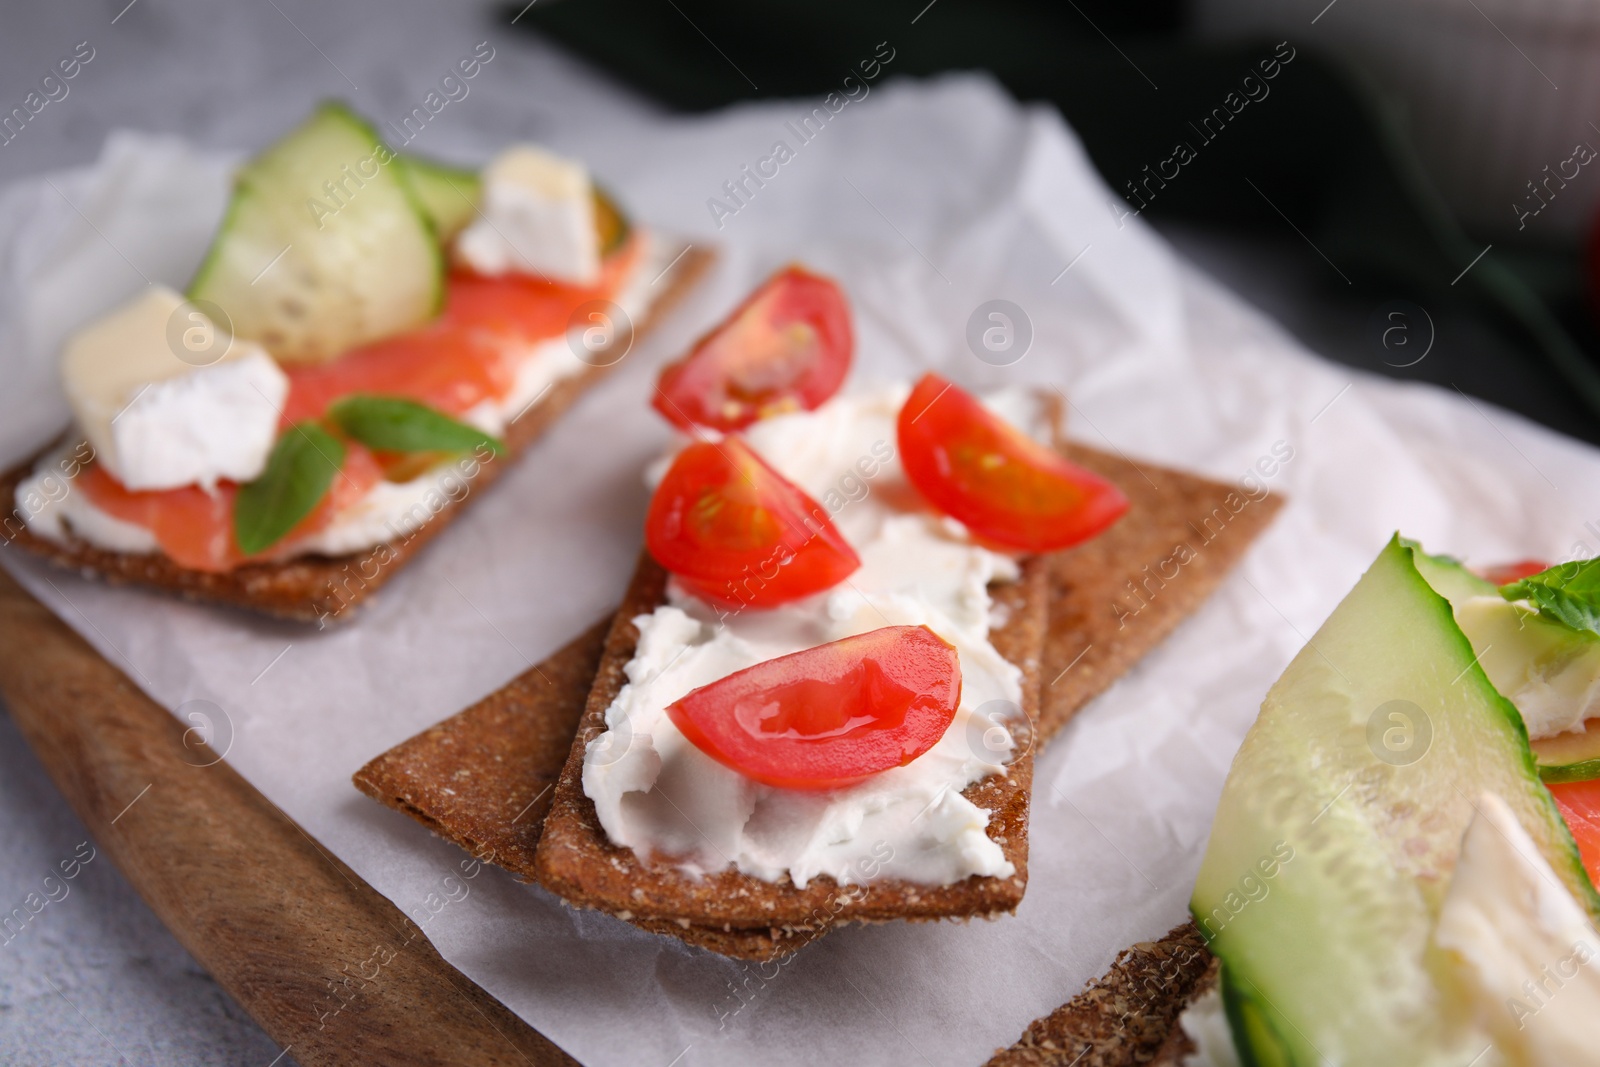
[1313, 155]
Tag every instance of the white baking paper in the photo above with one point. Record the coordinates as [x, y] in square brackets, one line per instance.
[926, 200]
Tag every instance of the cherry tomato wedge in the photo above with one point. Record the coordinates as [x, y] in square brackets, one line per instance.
[830, 716]
[1001, 484]
[1506, 573]
[195, 527]
[1580, 806]
[786, 348]
[735, 530]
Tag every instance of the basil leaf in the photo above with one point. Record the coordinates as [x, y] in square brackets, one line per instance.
[1567, 592]
[299, 471]
[394, 424]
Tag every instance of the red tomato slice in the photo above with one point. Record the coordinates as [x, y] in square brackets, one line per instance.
[195, 527]
[830, 716]
[1580, 806]
[469, 354]
[735, 530]
[1001, 484]
[1506, 573]
[786, 348]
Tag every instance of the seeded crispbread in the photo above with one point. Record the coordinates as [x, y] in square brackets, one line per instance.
[502, 742]
[323, 588]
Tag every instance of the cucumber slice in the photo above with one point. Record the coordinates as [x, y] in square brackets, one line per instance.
[1340, 824]
[1571, 757]
[448, 195]
[323, 246]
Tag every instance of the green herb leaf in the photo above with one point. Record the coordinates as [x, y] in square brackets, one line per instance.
[299, 471]
[394, 424]
[1567, 592]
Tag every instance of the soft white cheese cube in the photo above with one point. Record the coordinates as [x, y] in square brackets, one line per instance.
[537, 218]
[158, 419]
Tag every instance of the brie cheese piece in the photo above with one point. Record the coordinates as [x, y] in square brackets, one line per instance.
[162, 412]
[537, 218]
[1524, 947]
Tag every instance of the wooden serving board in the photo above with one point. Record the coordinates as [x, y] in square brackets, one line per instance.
[275, 918]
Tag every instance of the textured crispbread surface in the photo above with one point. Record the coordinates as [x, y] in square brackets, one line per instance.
[577, 861]
[1092, 639]
[484, 778]
[1123, 1018]
[320, 588]
[1116, 597]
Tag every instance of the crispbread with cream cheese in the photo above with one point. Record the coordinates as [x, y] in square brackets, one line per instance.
[577, 861]
[321, 588]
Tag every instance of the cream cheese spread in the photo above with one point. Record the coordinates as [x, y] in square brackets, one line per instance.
[659, 795]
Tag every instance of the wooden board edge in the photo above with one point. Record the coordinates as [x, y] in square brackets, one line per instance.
[332, 971]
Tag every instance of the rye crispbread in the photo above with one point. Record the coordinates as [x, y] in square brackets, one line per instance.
[484, 777]
[322, 588]
[467, 777]
[1116, 597]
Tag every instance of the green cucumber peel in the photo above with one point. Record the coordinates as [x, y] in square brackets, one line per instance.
[448, 196]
